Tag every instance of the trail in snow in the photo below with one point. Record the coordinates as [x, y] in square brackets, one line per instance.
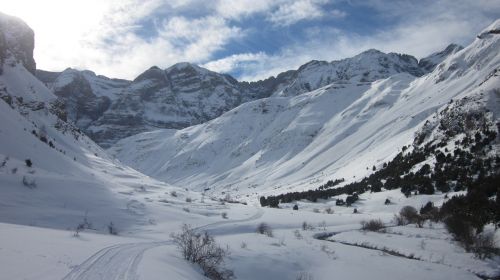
[114, 262]
[254, 217]
[121, 261]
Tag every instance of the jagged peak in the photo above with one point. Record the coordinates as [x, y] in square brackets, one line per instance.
[492, 29]
[371, 52]
[453, 47]
[154, 73]
[312, 63]
[186, 66]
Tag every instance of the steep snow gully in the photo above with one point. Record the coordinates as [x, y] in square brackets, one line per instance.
[121, 261]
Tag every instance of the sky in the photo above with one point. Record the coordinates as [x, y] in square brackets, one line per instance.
[249, 39]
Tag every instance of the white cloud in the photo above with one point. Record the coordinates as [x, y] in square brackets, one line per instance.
[235, 61]
[291, 13]
[111, 38]
[236, 9]
[420, 31]
[105, 35]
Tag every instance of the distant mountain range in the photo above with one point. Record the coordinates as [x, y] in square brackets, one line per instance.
[185, 94]
[324, 121]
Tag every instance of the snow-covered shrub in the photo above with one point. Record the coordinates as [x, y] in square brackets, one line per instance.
[322, 225]
[264, 228]
[398, 220]
[29, 182]
[484, 245]
[372, 225]
[430, 212]
[28, 162]
[307, 226]
[173, 193]
[78, 229]
[112, 229]
[328, 251]
[202, 249]
[329, 210]
[297, 234]
[85, 224]
[409, 214]
[461, 230]
[4, 162]
[189, 200]
[304, 276]
[224, 215]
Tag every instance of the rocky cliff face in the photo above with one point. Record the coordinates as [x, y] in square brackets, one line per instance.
[16, 41]
[185, 94]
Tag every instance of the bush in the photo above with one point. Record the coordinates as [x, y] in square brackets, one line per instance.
[189, 200]
[484, 246]
[431, 212]
[29, 182]
[461, 230]
[387, 201]
[409, 214]
[306, 226]
[372, 225]
[202, 249]
[339, 202]
[295, 207]
[329, 210]
[112, 229]
[297, 234]
[398, 220]
[173, 193]
[304, 276]
[28, 162]
[264, 228]
[224, 215]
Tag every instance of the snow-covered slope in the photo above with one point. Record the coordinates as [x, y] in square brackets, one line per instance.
[336, 131]
[51, 174]
[430, 62]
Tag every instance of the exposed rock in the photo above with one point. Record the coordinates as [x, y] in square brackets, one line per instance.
[16, 41]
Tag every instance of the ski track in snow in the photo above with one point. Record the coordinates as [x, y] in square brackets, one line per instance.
[114, 262]
[121, 261]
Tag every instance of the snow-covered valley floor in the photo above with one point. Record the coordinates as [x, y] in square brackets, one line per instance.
[404, 252]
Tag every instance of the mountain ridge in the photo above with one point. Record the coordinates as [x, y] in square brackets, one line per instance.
[121, 108]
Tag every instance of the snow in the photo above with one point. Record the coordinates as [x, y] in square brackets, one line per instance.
[282, 143]
[267, 146]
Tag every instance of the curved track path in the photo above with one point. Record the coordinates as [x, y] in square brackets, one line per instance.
[121, 261]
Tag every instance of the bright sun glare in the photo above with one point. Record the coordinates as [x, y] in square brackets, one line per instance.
[60, 25]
